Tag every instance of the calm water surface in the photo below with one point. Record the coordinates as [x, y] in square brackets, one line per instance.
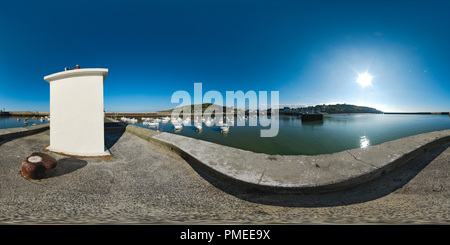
[15, 122]
[336, 133]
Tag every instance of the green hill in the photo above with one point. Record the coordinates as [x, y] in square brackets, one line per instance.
[338, 108]
[204, 106]
[346, 108]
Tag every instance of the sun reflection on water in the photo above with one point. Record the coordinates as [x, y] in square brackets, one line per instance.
[364, 142]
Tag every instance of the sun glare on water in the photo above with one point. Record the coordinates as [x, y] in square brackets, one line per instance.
[365, 79]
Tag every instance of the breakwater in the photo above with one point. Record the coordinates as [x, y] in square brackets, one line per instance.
[417, 113]
[135, 114]
[24, 113]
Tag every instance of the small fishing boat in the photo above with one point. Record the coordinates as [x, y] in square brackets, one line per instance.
[225, 128]
[208, 122]
[186, 122]
[177, 126]
[150, 123]
[198, 126]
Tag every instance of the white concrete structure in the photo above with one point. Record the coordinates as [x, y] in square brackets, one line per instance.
[76, 112]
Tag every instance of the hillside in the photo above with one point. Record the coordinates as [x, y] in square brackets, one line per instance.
[204, 106]
[338, 108]
[346, 108]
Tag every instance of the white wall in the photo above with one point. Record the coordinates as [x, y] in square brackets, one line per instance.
[76, 112]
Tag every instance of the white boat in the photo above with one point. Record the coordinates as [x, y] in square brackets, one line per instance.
[128, 120]
[225, 128]
[151, 123]
[178, 126]
[198, 126]
[186, 122]
[208, 122]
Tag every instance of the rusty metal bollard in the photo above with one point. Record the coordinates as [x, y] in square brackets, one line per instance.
[34, 166]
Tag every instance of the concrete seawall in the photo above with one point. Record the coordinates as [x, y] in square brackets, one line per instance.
[290, 173]
[9, 133]
[24, 113]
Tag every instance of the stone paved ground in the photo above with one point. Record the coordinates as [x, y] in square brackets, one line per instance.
[148, 184]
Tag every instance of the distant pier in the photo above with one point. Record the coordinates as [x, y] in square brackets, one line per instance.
[426, 113]
[23, 113]
[312, 117]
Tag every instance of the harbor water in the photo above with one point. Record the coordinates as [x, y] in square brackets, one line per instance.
[16, 122]
[335, 133]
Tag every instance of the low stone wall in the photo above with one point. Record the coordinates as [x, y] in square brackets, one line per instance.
[296, 173]
[9, 133]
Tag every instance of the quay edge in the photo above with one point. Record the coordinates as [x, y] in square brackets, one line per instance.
[296, 173]
[283, 173]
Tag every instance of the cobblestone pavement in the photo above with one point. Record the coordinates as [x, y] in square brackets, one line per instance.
[144, 183]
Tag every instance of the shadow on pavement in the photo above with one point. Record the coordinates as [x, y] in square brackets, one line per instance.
[377, 188]
[113, 132]
[66, 166]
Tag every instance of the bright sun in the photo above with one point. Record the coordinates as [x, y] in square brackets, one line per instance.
[364, 79]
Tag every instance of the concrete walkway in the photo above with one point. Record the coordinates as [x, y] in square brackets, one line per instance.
[149, 183]
[280, 173]
[303, 174]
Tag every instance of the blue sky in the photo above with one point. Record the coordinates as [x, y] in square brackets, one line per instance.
[309, 51]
